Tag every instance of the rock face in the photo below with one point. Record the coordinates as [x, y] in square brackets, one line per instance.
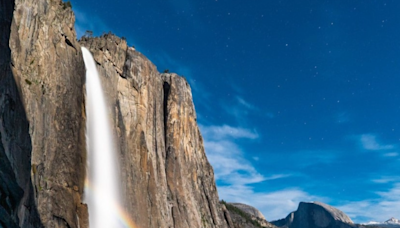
[48, 70]
[11, 192]
[316, 215]
[284, 222]
[249, 210]
[244, 216]
[166, 177]
[41, 123]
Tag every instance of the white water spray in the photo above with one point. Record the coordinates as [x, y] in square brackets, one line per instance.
[102, 184]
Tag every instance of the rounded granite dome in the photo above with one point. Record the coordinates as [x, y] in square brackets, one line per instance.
[249, 209]
[337, 214]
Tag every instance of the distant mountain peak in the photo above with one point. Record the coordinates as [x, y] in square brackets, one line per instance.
[315, 215]
[392, 220]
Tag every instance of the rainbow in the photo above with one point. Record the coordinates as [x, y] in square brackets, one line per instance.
[122, 214]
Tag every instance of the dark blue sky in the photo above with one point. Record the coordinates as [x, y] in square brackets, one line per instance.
[296, 100]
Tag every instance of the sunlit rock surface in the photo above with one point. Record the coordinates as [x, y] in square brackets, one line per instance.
[166, 177]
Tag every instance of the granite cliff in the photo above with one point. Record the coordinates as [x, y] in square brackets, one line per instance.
[166, 178]
[316, 215]
[42, 125]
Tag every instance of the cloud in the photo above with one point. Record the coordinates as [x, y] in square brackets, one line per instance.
[235, 174]
[384, 180]
[245, 106]
[225, 131]
[392, 154]
[226, 157]
[245, 103]
[274, 205]
[369, 142]
[385, 206]
[278, 176]
[241, 109]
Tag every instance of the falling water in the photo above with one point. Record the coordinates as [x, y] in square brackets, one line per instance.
[101, 191]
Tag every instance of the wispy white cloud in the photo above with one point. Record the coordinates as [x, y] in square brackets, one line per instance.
[370, 142]
[241, 109]
[226, 156]
[391, 154]
[278, 176]
[225, 131]
[386, 179]
[385, 206]
[236, 173]
[244, 107]
[244, 103]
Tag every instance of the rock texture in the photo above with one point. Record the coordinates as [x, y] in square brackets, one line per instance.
[166, 177]
[316, 215]
[11, 192]
[42, 121]
[249, 210]
[244, 216]
[284, 222]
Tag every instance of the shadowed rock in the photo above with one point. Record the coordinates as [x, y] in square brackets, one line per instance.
[316, 215]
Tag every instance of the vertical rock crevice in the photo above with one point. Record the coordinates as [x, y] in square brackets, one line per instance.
[166, 91]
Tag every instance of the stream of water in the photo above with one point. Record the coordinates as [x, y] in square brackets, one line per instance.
[102, 183]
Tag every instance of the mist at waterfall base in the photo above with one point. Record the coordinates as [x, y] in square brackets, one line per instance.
[102, 191]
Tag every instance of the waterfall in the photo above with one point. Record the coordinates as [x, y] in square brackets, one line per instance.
[102, 183]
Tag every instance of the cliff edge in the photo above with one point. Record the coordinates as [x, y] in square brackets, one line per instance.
[166, 178]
